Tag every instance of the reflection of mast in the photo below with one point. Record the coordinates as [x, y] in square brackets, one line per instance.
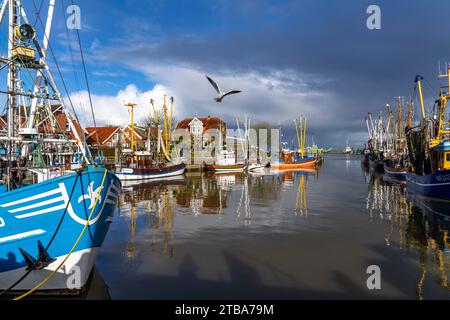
[131, 248]
[301, 204]
[415, 231]
[167, 215]
[245, 198]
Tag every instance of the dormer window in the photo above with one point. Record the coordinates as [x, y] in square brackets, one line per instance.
[196, 128]
[67, 126]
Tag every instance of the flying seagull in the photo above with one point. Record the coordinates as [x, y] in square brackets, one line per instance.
[221, 94]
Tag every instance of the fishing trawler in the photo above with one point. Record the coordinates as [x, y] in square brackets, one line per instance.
[376, 143]
[348, 149]
[53, 219]
[144, 164]
[226, 162]
[429, 148]
[395, 162]
[291, 160]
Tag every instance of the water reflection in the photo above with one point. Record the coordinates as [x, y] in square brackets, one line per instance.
[414, 223]
[204, 194]
[155, 200]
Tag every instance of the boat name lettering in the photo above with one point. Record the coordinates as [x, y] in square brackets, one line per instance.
[445, 177]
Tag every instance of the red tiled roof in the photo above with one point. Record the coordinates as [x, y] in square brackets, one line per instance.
[103, 133]
[208, 123]
[141, 133]
[61, 119]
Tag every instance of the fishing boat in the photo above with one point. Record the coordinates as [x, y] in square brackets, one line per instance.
[392, 171]
[53, 219]
[143, 164]
[429, 148]
[348, 149]
[291, 160]
[365, 157]
[151, 172]
[395, 164]
[253, 167]
[376, 143]
[225, 162]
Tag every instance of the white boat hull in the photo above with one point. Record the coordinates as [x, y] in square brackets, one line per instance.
[132, 177]
[71, 277]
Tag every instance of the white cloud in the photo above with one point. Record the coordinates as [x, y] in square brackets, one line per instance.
[277, 97]
[110, 110]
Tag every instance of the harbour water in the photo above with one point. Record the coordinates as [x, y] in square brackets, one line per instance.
[279, 236]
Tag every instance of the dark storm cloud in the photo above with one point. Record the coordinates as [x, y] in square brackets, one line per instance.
[327, 47]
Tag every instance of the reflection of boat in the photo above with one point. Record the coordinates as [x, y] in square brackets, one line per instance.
[294, 171]
[415, 222]
[144, 173]
[172, 180]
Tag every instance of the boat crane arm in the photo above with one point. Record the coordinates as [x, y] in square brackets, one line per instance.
[42, 53]
[368, 128]
[418, 80]
[410, 110]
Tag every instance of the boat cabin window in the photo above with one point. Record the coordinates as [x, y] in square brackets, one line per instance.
[447, 160]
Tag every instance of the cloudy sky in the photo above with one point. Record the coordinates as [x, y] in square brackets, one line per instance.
[311, 57]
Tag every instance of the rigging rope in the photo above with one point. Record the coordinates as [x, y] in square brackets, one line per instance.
[69, 49]
[59, 70]
[87, 83]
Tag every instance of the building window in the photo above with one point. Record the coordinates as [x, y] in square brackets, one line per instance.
[195, 129]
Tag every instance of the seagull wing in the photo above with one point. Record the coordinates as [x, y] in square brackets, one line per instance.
[231, 92]
[213, 83]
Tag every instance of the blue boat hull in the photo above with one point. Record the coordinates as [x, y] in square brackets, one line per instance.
[436, 185]
[55, 212]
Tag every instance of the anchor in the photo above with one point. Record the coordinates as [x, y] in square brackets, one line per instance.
[41, 262]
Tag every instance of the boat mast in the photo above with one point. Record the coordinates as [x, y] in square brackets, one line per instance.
[399, 126]
[418, 80]
[444, 96]
[45, 42]
[392, 124]
[410, 110]
[11, 79]
[131, 107]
